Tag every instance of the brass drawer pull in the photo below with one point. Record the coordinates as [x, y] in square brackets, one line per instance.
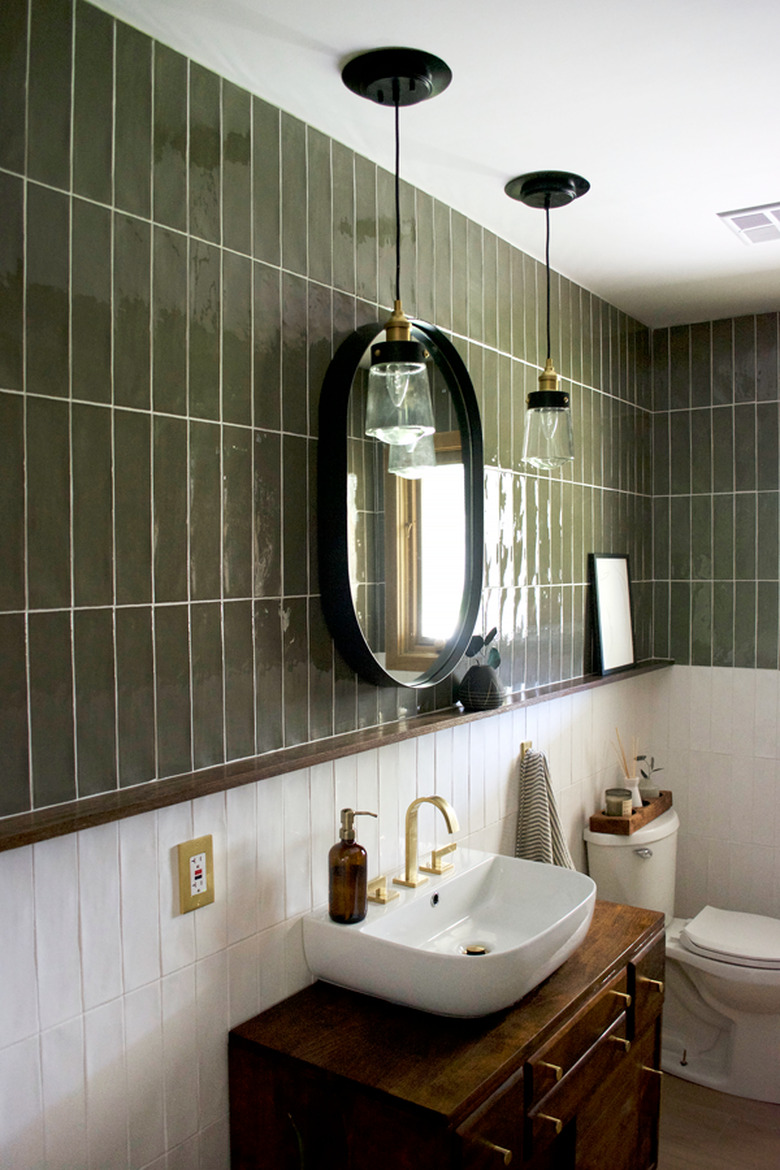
[555, 1120]
[505, 1155]
[626, 1044]
[554, 1068]
[624, 996]
[658, 984]
[647, 1068]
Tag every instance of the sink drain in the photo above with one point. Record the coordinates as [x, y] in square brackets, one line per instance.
[474, 949]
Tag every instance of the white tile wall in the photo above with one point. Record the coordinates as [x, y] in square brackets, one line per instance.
[114, 1008]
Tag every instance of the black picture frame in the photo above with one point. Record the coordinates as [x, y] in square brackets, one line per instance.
[613, 623]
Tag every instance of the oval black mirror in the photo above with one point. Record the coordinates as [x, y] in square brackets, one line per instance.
[400, 552]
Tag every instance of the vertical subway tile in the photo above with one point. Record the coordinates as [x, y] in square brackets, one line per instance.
[767, 446]
[425, 253]
[460, 270]
[172, 689]
[443, 272]
[132, 309]
[237, 512]
[268, 675]
[132, 507]
[680, 622]
[745, 447]
[319, 316]
[318, 200]
[408, 245]
[236, 168]
[680, 520]
[723, 362]
[207, 716]
[48, 503]
[489, 402]
[723, 536]
[12, 566]
[680, 453]
[386, 234]
[767, 352]
[93, 664]
[767, 536]
[490, 288]
[701, 623]
[15, 789]
[661, 538]
[267, 348]
[744, 359]
[723, 623]
[343, 218]
[504, 259]
[236, 338]
[745, 624]
[295, 651]
[723, 449]
[169, 130]
[701, 537]
[204, 153]
[266, 178]
[767, 626]
[47, 291]
[680, 367]
[474, 281]
[701, 451]
[205, 326]
[169, 322]
[701, 373]
[365, 228]
[11, 283]
[239, 681]
[49, 92]
[294, 314]
[320, 674]
[51, 708]
[93, 103]
[205, 514]
[13, 80]
[293, 137]
[135, 695]
[505, 412]
[93, 558]
[660, 363]
[170, 509]
[294, 515]
[661, 619]
[133, 121]
[267, 515]
[745, 536]
[91, 302]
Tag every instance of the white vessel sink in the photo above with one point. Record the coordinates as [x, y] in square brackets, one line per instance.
[527, 917]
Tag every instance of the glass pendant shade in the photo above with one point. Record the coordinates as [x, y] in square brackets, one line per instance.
[412, 462]
[548, 441]
[398, 407]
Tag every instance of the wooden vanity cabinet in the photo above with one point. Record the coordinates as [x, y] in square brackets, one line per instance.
[565, 1080]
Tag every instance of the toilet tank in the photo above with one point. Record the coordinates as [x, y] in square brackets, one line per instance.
[638, 868]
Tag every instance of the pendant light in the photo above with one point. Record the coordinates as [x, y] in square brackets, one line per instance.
[398, 407]
[548, 440]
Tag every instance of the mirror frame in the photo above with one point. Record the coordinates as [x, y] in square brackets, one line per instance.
[332, 526]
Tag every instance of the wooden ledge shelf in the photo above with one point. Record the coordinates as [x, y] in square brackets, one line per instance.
[58, 820]
[624, 826]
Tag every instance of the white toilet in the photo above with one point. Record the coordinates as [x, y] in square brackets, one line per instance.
[721, 1023]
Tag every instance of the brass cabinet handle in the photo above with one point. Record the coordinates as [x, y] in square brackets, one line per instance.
[624, 996]
[648, 1068]
[658, 984]
[505, 1154]
[554, 1068]
[626, 1044]
[555, 1120]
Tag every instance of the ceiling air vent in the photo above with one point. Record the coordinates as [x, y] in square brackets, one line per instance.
[754, 225]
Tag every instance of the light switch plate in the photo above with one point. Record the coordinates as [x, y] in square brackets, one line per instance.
[196, 873]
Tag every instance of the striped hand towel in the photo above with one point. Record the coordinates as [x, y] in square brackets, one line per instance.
[539, 834]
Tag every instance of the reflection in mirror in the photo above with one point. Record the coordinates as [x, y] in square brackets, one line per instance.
[412, 527]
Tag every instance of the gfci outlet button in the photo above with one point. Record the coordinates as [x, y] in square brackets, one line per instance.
[196, 873]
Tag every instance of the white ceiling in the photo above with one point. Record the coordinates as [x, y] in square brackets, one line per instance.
[668, 107]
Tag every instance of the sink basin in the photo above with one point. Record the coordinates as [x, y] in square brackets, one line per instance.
[521, 918]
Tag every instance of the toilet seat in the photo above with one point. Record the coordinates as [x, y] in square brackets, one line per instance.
[730, 936]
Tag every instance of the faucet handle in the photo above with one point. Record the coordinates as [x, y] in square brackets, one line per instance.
[378, 891]
[437, 865]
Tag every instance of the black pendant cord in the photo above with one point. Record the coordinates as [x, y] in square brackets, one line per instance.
[547, 267]
[397, 102]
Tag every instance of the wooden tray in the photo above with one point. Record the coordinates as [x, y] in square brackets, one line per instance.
[601, 823]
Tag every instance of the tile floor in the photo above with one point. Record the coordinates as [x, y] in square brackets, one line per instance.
[703, 1128]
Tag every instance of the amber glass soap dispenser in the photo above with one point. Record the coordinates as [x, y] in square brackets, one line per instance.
[347, 865]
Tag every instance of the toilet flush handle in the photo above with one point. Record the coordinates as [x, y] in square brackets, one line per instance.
[644, 853]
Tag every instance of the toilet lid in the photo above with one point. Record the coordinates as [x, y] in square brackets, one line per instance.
[747, 940]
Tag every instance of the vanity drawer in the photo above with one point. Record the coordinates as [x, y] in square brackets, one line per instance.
[493, 1135]
[646, 982]
[549, 1067]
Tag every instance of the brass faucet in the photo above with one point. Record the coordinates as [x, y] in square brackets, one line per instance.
[411, 875]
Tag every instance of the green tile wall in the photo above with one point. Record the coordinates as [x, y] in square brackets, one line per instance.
[192, 257]
[716, 478]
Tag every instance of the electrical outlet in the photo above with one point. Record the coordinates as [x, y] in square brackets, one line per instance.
[196, 874]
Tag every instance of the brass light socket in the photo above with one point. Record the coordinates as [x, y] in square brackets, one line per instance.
[398, 327]
[548, 379]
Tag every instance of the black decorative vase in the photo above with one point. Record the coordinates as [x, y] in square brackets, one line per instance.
[480, 689]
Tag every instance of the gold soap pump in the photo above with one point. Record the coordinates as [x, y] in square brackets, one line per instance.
[348, 872]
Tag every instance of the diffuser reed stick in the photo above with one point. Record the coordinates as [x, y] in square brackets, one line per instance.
[628, 771]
